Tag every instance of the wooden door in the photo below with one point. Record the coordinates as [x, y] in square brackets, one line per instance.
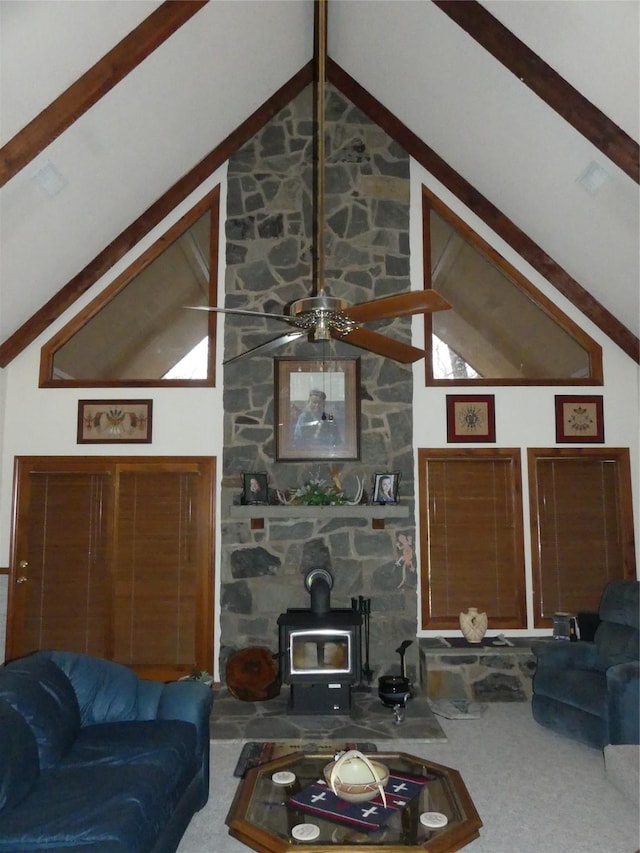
[115, 558]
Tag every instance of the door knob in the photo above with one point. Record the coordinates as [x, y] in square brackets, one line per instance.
[22, 579]
[23, 564]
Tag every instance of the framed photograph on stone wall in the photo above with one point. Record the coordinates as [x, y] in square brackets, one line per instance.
[317, 409]
[385, 487]
[255, 488]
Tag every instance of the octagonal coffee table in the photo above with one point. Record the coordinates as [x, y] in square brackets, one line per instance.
[262, 817]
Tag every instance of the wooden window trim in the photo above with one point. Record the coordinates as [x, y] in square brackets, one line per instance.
[211, 203]
[511, 455]
[432, 202]
[625, 510]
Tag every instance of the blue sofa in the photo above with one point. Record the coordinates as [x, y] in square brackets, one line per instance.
[590, 691]
[94, 759]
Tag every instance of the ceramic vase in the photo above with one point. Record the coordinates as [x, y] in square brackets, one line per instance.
[473, 625]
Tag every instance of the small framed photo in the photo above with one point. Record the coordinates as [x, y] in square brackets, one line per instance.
[255, 489]
[385, 488]
[114, 421]
[579, 419]
[317, 409]
[471, 417]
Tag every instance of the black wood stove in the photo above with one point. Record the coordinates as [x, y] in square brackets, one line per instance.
[319, 651]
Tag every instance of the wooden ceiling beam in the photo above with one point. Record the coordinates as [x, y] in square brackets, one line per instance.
[96, 82]
[488, 212]
[553, 89]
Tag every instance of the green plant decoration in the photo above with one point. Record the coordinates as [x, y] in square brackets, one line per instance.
[318, 493]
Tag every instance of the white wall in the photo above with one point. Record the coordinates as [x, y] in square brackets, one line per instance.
[42, 421]
[525, 417]
[188, 421]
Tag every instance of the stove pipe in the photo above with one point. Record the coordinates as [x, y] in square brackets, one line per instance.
[319, 583]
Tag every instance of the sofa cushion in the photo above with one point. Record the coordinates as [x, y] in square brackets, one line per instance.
[112, 807]
[106, 691]
[169, 745]
[580, 688]
[43, 695]
[19, 764]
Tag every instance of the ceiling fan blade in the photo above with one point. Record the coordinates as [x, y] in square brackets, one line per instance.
[414, 302]
[274, 343]
[382, 345]
[284, 317]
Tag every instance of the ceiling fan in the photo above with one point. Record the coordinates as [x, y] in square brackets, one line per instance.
[322, 317]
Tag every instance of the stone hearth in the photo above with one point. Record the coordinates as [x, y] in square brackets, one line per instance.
[369, 720]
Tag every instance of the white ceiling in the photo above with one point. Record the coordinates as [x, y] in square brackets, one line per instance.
[207, 78]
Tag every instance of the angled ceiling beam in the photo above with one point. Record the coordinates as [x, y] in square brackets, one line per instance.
[112, 253]
[488, 212]
[553, 89]
[98, 80]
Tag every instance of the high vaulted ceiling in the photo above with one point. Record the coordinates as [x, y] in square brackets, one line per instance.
[519, 151]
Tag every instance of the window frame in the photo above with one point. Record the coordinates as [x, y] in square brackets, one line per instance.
[594, 350]
[211, 203]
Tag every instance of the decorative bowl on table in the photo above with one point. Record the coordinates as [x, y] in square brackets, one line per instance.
[355, 778]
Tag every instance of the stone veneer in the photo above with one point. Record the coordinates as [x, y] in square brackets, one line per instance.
[269, 255]
[482, 674]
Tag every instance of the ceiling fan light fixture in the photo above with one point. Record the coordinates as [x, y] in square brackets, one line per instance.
[321, 329]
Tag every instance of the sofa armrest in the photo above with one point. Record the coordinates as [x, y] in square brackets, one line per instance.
[190, 701]
[149, 693]
[623, 689]
[559, 654]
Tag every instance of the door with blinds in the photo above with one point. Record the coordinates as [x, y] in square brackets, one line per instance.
[114, 557]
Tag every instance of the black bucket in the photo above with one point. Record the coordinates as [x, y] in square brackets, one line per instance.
[393, 690]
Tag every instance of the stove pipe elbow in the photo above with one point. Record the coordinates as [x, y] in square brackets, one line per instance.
[319, 583]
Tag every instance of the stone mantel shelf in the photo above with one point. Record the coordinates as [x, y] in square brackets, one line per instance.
[377, 513]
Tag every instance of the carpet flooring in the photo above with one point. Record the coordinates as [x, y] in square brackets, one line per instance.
[369, 720]
[535, 791]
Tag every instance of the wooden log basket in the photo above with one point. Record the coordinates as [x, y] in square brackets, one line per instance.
[253, 674]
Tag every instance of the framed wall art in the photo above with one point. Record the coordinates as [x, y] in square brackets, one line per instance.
[317, 409]
[255, 488]
[385, 488]
[471, 417]
[114, 421]
[579, 419]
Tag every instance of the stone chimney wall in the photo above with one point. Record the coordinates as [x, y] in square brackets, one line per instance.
[269, 264]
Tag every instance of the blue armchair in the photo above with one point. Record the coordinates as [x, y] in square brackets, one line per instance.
[591, 691]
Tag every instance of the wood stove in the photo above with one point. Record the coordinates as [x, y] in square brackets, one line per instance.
[319, 651]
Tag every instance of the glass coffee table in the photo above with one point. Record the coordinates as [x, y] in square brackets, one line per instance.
[261, 817]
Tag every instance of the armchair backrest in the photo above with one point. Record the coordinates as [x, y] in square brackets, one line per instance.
[618, 634]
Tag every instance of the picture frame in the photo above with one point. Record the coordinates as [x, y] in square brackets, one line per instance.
[316, 409]
[385, 487]
[471, 417]
[579, 419]
[255, 488]
[114, 421]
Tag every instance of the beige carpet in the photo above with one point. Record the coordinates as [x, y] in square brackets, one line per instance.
[535, 791]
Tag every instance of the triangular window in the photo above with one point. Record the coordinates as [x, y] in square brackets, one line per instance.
[139, 330]
[501, 330]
